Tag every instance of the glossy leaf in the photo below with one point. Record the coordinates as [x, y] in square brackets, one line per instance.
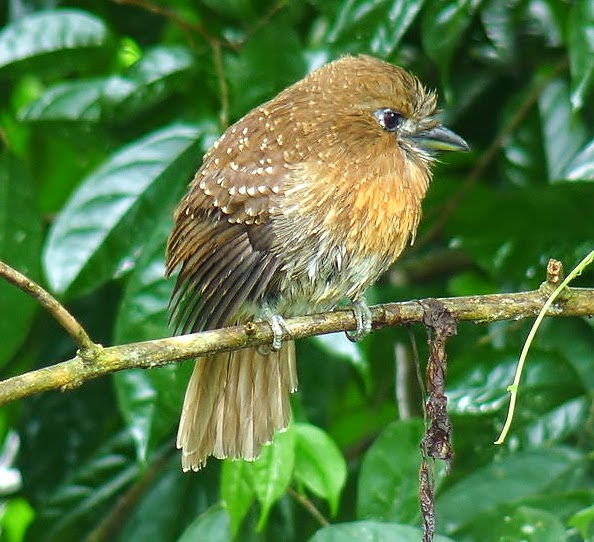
[525, 236]
[212, 526]
[482, 389]
[532, 525]
[16, 517]
[370, 531]
[524, 161]
[443, 26]
[506, 481]
[167, 498]
[75, 503]
[251, 82]
[557, 424]
[272, 471]
[98, 232]
[564, 134]
[55, 40]
[150, 401]
[373, 26]
[159, 73]
[499, 20]
[580, 31]
[388, 488]
[582, 166]
[583, 521]
[20, 242]
[143, 311]
[319, 464]
[73, 101]
[237, 491]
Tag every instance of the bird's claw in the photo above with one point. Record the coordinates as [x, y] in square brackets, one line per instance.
[363, 317]
[279, 330]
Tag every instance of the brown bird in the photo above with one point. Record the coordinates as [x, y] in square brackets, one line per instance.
[303, 202]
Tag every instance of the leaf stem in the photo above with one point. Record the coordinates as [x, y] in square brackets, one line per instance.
[514, 387]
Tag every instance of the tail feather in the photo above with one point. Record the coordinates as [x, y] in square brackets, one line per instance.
[234, 403]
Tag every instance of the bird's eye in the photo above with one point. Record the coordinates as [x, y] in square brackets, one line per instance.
[389, 119]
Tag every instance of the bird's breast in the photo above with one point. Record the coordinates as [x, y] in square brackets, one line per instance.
[338, 229]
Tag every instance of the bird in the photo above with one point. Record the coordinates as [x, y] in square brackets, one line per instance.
[300, 205]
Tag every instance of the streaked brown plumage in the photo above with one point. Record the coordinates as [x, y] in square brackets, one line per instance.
[303, 202]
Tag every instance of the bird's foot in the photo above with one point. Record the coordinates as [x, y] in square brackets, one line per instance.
[279, 330]
[364, 320]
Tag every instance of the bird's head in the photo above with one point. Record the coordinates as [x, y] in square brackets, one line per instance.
[363, 107]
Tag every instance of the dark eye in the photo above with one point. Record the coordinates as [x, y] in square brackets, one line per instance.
[389, 119]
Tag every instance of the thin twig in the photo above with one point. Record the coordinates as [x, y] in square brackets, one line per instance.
[52, 305]
[3, 138]
[265, 19]
[309, 506]
[148, 354]
[171, 15]
[223, 88]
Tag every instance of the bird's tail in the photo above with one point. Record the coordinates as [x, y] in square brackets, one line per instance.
[234, 403]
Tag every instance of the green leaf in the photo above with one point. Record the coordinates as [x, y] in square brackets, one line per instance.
[388, 487]
[20, 243]
[564, 133]
[150, 401]
[143, 311]
[338, 346]
[319, 464]
[157, 75]
[252, 81]
[370, 531]
[273, 470]
[99, 229]
[72, 101]
[161, 505]
[582, 166]
[520, 245]
[499, 21]
[580, 31]
[376, 27]
[15, 517]
[482, 389]
[443, 25]
[533, 525]
[212, 526]
[506, 481]
[55, 40]
[85, 491]
[583, 521]
[519, 523]
[237, 491]
[525, 162]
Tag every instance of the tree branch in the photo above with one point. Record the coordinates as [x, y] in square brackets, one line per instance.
[481, 309]
[51, 304]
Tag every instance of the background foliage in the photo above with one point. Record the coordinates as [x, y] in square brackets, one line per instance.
[105, 110]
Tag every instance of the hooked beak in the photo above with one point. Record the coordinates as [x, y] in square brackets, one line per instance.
[440, 138]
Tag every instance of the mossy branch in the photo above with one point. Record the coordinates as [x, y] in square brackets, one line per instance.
[93, 360]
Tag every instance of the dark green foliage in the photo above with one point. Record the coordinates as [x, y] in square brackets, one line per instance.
[105, 110]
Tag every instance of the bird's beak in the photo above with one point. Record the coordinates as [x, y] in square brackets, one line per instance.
[440, 138]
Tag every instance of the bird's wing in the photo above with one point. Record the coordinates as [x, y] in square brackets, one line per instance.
[221, 239]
